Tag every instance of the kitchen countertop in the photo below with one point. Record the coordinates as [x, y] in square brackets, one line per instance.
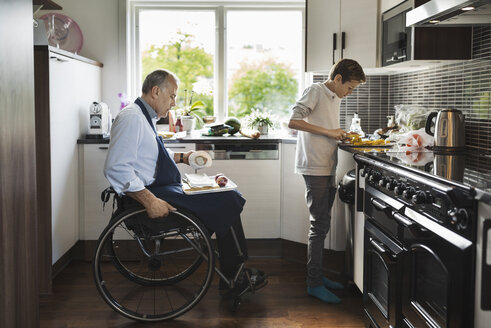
[196, 137]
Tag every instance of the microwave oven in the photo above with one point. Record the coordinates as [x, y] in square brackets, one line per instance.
[401, 43]
[396, 37]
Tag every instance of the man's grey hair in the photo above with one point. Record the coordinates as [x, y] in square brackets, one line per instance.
[160, 78]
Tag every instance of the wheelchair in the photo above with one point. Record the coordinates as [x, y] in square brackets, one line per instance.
[158, 269]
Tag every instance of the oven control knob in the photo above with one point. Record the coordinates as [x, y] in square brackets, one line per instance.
[383, 182]
[399, 189]
[409, 192]
[391, 184]
[459, 217]
[419, 197]
[375, 176]
[365, 172]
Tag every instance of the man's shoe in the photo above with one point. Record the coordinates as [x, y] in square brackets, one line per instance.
[258, 281]
[323, 294]
[331, 284]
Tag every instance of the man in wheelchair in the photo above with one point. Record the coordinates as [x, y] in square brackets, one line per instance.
[142, 171]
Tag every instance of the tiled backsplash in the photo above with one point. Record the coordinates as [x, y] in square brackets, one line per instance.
[463, 85]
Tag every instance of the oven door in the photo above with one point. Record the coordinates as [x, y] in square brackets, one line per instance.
[438, 275]
[382, 272]
[381, 208]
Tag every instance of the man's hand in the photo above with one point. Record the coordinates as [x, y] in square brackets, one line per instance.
[158, 208]
[155, 207]
[186, 156]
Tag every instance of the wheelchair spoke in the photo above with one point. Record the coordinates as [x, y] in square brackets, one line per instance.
[168, 299]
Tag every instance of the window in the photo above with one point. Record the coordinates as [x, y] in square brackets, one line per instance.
[231, 58]
[263, 60]
[182, 41]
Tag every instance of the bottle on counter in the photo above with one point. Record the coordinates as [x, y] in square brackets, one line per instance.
[178, 125]
[390, 121]
[355, 126]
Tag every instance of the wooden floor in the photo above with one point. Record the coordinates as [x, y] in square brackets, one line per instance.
[282, 303]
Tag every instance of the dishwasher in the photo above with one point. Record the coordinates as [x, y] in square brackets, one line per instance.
[255, 168]
[240, 151]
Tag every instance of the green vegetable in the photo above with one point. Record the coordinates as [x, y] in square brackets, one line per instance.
[416, 121]
[234, 124]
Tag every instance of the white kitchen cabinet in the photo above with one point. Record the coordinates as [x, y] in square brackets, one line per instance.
[341, 29]
[259, 183]
[294, 212]
[65, 86]
[92, 182]
[92, 158]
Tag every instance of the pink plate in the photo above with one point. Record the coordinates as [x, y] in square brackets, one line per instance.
[63, 32]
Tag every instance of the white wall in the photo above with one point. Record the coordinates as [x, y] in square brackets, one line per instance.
[98, 20]
[388, 4]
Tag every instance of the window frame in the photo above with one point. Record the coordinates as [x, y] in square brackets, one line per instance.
[221, 8]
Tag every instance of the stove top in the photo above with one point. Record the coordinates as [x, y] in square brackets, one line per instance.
[470, 168]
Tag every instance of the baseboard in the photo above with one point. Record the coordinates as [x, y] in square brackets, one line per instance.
[333, 261]
[72, 254]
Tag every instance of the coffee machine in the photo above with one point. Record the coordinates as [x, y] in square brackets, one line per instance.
[99, 121]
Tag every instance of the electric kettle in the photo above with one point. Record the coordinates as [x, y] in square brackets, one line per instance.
[449, 132]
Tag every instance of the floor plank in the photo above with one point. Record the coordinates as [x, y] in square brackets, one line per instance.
[75, 303]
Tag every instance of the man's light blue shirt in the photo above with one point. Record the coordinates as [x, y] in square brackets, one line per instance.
[132, 157]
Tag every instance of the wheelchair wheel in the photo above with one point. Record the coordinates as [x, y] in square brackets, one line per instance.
[153, 269]
[142, 226]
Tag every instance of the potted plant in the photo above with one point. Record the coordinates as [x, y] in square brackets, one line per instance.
[189, 113]
[259, 120]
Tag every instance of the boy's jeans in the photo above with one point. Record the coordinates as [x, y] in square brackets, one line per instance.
[320, 194]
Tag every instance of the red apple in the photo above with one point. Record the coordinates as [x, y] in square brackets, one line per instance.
[221, 180]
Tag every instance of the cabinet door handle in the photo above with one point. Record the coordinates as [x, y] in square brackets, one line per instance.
[343, 43]
[58, 59]
[175, 147]
[334, 46]
[103, 147]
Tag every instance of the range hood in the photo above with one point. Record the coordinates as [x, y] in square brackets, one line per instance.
[450, 12]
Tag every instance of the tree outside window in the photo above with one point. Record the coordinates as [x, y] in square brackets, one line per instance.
[263, 63]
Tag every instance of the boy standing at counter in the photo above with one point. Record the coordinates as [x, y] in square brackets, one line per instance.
[316, 116]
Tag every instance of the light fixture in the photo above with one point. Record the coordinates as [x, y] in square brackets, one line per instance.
[468, 8]
[434, 21]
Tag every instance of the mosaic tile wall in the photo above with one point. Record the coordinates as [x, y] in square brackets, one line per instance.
[465, 85]
[370, 100]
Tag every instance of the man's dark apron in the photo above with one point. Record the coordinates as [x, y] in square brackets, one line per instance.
[218, 211]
